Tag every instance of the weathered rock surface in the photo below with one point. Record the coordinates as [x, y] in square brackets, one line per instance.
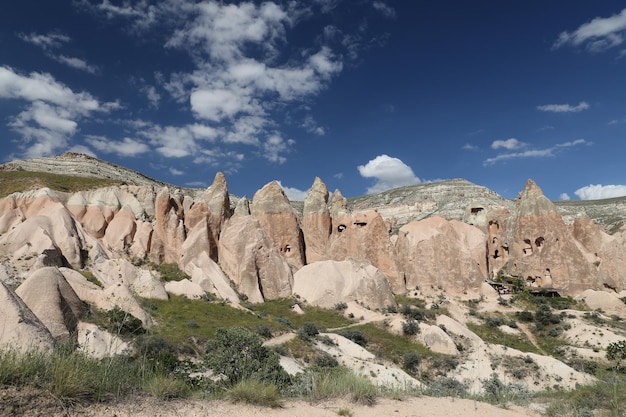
[275, 214]
[434, 254]
[19, 326]
[54, 302]
[327, 283]
[99, 343]
[364, 235]
[250, 259]
[316, 222]
[542, 249]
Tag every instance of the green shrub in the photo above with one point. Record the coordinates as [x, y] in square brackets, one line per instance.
[446, 387]
[328, 383]
[411, 361]
[123, 323]
[354, 335]
[239, 354]
[308, 331]
[525, 316]
[410, 327]
[326, 361]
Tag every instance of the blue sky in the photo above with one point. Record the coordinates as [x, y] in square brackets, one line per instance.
[366, 94]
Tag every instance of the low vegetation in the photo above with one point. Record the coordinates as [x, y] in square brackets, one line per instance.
[208, 348]
[19, 181]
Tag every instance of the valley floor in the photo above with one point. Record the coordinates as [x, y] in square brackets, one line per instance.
[149, 407]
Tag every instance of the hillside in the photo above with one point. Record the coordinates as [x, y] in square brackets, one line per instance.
[448, 198]
[160, 288]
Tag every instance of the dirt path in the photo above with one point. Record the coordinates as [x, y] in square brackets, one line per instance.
[530, 336]
[409, 407]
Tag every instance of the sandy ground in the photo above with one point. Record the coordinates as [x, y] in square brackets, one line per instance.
[411, 407]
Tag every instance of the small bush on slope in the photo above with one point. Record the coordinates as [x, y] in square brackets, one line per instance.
[239, 354]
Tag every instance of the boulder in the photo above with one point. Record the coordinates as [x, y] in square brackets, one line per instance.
[20, 328]
[54, 302]
[186, 288]
[327, 283]
[142, 282]
[99, 343]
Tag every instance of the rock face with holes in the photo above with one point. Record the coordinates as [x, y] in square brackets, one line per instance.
[434, 253]
[278, 219]
[542, 248]
[364, 235]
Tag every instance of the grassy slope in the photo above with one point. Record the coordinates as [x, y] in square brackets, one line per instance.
[18, 181]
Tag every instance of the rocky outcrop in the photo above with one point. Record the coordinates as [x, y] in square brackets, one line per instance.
[542, 250]
[316, 222]
[248, 256]
[169, 228]
[435, 254]
[277, 217]
[364, 235]
[54, 302]
[607, 251]
[19, 327]
[327, 283]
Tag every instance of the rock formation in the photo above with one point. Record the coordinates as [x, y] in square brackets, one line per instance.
[19, 326]
[327, 283]
[54, 302]
[316, 222]
[542, 250]
[249, 257]
[435, 254]
[364, 235]
[275, 214]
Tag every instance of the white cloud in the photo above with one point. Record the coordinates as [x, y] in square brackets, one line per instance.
[152, 95]
[175, 171]
[48, 41]
[597, 191]
[385, 9]
[564, 197]
[534, 153]
[275, 146]
[598, 35]
[52, 116]
[389, 172]
[76, 63]
[509, 144]
[470, 147]
[217, 104]
[564, 108]
[242, 80]
[125, 147]
[311, 126]
[55, 41]
[293, 194]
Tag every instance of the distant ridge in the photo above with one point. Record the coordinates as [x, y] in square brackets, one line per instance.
[72, 163]
[451, 199]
